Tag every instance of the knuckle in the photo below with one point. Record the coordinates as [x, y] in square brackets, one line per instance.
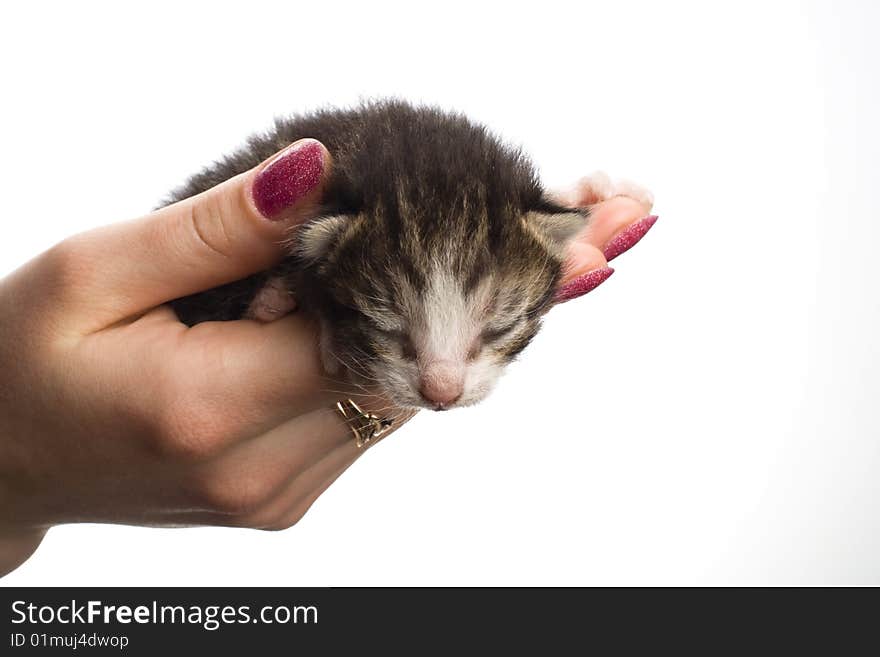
[281, 524]
[188, 430]
[295, 517]
[231, 493]
[292, 517]
[191, 423]
[261, 522]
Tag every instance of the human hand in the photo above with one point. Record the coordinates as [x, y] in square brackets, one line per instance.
[114, 411]
[619, 218]
[111, 410]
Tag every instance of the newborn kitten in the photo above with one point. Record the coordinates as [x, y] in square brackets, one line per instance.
[431, 262]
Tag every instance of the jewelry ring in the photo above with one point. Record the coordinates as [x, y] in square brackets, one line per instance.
[366, 427]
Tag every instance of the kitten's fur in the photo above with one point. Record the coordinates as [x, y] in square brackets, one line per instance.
[432, 261]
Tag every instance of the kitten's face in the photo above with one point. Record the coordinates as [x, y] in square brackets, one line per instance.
[443, 345]
[433, 326]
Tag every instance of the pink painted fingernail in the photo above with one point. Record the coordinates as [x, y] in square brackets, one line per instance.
[289, 176]
[628, 238]
[583, 284]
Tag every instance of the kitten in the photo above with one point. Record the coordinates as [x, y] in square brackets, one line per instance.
[431, 262]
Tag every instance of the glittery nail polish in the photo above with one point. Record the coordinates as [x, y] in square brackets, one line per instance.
[288, 177]
[628, 238]
[583, 284]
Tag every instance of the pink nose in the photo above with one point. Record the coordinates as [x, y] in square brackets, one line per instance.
[442, 383]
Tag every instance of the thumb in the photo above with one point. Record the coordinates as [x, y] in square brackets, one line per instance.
[223, 234]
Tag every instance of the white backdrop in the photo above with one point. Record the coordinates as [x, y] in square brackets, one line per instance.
[708, 416]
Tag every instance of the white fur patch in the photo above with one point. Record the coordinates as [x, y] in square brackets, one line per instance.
[449, 324]
[315, 238]
[598, 187]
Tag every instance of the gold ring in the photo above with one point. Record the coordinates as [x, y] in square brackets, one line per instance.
[366, 427]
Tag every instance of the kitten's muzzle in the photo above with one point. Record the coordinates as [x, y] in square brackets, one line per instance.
[442, 383]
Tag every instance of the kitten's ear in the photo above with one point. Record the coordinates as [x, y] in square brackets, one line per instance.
[314, 240]
[554, 225]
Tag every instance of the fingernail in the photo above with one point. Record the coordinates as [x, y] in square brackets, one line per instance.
[628, 238]
[583, 284]
[288, 177]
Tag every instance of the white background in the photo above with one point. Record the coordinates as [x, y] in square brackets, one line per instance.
[708, 416]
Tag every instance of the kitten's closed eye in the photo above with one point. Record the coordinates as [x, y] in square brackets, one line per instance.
[403, 340]
[494, 334]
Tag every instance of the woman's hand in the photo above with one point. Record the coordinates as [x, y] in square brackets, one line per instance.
[619, 218]
[111, 410]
